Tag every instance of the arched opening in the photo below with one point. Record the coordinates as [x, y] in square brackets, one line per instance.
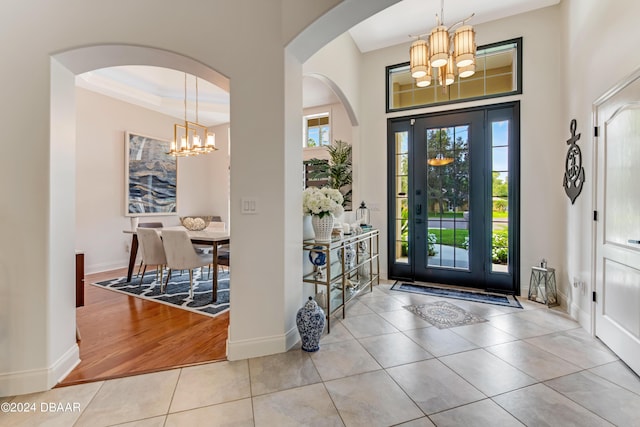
[66, 144]
[43, 349]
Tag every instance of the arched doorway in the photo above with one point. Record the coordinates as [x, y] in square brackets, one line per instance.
[74, 63]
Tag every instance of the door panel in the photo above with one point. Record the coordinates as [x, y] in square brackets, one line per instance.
[449, 198]
[453, 178]
[617, 312]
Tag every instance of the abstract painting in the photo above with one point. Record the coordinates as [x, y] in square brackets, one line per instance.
[150, 176]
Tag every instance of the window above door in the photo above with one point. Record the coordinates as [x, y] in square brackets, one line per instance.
[498, 73]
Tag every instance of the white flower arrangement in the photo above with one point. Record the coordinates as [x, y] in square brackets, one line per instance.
[322, 201]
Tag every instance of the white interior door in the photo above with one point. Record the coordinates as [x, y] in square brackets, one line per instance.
[617, 320]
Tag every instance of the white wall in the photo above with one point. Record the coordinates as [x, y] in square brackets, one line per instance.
[599, 50]
[340, 63]
[100, 172]
[542, 210]
[38, 191]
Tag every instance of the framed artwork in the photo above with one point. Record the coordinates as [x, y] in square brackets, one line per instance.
[150, 176]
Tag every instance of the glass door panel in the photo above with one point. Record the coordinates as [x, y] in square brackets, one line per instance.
[500, 196]
[447, 160]
[401, 195]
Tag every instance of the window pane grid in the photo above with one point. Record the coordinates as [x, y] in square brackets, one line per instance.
[496, 74]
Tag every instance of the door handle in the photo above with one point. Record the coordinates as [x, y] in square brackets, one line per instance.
[418, 209]
[635, 242]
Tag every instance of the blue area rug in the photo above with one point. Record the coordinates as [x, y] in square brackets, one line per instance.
[505, 300]
[177, 291]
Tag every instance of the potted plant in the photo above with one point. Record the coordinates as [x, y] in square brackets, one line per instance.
[337, 171]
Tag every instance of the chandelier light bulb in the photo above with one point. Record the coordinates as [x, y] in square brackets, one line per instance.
[211, 140]
[418, 54]
[439, 43]
[464, 45]
[467, 71]
[438, 53]
[449, 76]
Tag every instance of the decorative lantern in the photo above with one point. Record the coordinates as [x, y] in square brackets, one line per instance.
[362, 214]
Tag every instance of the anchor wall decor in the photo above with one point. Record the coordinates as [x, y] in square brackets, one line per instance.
[574, 172]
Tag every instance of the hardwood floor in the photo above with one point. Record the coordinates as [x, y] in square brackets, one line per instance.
[123, 335]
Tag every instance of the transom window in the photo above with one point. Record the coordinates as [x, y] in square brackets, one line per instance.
[498, 73]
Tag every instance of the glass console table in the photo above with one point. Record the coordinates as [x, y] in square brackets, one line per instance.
[344, 268]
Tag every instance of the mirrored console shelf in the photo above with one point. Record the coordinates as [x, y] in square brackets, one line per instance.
[345, 268]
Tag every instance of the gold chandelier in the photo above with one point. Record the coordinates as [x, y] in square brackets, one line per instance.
[191, 138]
[438, 54]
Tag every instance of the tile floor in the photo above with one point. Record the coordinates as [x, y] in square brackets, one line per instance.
[381, 366]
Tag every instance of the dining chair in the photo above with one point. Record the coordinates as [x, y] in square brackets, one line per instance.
[152, 252]
[224, 258]
[181, 255]
[147, 225]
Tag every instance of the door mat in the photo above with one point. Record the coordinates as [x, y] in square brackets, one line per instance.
[442, 314]
[177, 292]
[486, 298]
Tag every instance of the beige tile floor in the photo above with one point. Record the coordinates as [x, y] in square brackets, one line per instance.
[381, 366]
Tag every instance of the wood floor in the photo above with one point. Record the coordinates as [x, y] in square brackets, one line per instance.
[123, 335]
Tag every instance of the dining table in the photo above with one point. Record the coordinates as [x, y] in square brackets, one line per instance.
[213, 237]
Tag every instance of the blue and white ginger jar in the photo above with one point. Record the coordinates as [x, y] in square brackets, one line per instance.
[310, 320]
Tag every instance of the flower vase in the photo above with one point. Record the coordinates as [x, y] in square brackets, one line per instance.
[310, 320]
[322, 227]
[134, 223]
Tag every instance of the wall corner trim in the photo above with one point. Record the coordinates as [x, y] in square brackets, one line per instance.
[35, 380]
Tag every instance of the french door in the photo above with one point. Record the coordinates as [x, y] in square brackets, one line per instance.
[453, 181]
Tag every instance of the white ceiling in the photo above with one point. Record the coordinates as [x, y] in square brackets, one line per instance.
[163, 90]
[395, 24]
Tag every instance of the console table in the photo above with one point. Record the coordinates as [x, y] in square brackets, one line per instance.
[351, 265]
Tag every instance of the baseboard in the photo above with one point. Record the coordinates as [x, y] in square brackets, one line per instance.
[583, 317]
[64, 365]
[35, 380]
[292, 337]
[263, 346]
[99, 268]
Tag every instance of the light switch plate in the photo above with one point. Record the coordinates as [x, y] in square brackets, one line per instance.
[249, 206]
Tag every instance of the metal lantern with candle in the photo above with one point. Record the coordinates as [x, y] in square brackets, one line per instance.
[362, 214]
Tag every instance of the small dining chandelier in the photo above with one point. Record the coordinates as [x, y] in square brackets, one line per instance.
[444, 51]
[191, 138]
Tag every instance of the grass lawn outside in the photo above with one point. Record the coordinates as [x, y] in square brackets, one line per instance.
[449, 236]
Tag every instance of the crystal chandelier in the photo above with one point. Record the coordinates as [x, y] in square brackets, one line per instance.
[446, 52]
[191, 138]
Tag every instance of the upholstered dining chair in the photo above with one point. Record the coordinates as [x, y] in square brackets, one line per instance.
[181, 255]
[146, 225]
[152, 251]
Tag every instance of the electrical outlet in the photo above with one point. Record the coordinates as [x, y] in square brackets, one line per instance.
[127, 249]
